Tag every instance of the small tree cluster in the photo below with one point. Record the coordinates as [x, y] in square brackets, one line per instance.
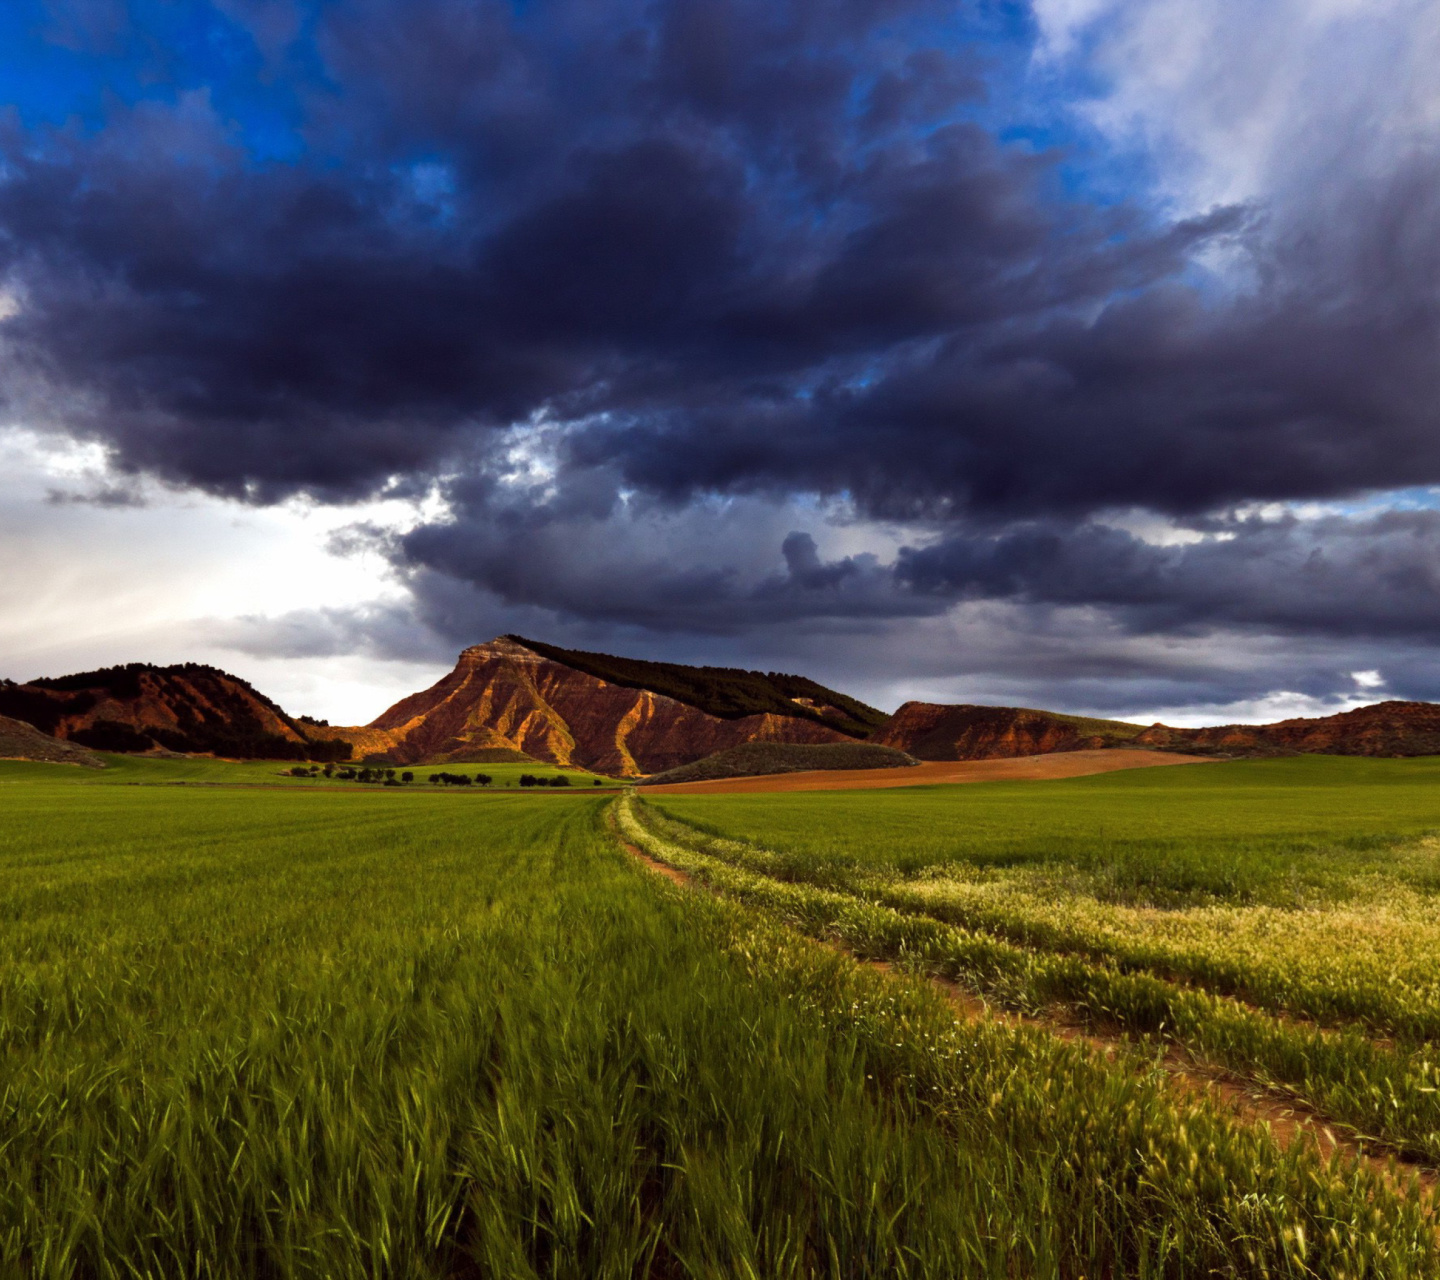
[530, 780]
[461, 779]
[385, 777]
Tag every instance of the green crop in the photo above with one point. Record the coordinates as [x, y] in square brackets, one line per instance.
[304, 1033]
[1306, 887]
[1281, 832]
[1328, 935]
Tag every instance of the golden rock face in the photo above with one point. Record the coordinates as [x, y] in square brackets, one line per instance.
[502, 695]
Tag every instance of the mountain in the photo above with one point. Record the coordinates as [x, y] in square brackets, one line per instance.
[187, 707]
[519, 699]
[619, 716]
[934, 731]
[1384, 729]
[931, 731]
[21, 741]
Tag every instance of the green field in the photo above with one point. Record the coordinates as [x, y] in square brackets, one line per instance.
[329, 1032]
[1254, 830]
[1279, 919]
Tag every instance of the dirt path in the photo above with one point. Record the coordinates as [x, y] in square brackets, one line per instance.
[1288, 1120]
[1060, 764]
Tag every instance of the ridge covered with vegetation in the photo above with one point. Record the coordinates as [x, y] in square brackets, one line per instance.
[728, 693]
[186, 707]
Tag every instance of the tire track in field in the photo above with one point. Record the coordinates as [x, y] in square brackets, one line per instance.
[1288, 1119]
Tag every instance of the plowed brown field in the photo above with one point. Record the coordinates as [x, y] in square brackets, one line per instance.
[1060, 764]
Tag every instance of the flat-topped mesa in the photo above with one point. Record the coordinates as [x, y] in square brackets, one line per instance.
[620, 716]
[500, 647]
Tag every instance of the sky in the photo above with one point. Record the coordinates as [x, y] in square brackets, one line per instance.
[1081, 354]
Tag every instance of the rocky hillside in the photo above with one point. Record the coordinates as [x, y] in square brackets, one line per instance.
[1385, 729]
[617, 716]
[21, 741]
[933, 731]
[187, 707]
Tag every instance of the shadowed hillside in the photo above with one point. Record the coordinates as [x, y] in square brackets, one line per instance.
[1384, 729]
[932, 731]
[21, 741]
[187, 707]
[758, 759]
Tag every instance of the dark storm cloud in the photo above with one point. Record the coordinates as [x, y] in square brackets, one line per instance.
[581, 553]
[732, 568]
[710, 252]
[673, 216]
[1334, 575]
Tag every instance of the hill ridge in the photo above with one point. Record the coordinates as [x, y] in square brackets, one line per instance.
[621, 716]
[971, 731]
[184, 707]
[733, 691]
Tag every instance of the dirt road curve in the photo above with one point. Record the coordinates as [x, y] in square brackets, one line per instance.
[1062, 764]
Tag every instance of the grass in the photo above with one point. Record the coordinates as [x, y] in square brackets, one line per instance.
[264, 1033]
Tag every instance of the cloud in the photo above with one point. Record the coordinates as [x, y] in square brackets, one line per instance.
[1334, 575]
[716, 320]
[706, 211]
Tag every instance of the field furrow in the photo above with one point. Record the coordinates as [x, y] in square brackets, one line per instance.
[1382, 1093]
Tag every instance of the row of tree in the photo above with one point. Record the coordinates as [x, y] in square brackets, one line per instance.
[389, 778]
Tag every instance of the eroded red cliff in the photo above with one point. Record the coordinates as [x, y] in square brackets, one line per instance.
[187, 707]
[1384, 729]
[934, 731]
[931, 731]
[505, 696]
